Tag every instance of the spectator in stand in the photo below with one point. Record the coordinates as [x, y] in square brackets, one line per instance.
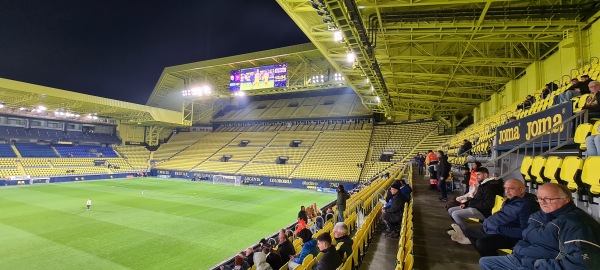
[309, 247]
[274, 259]
[431, 162]
[465, 147]
[512, 119]
[342, 196]
[473, 175]
[592, 143]
[331, 259]
[302, 214]
[310, 212]
[466, 176]
[548, 89]
[328, 214]
[285, 247]
[443, 173]
[560, 236]
[340, 232]
[480, 206]
[301, 225]
[503, 229]
[529, 100]
[405, 190]
[260, 260]
[577, 89]
[393, 210]
[421, 163]
[238, 264]
[591, 103]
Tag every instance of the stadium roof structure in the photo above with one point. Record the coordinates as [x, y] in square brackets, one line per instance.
[304, 61]
[15, 94]
[436, 58]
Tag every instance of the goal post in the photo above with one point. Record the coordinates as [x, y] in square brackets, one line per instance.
[227, 180]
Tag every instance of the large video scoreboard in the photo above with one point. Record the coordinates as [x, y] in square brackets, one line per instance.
[258, 78]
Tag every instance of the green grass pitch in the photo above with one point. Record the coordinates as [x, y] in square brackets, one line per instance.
[141, 223]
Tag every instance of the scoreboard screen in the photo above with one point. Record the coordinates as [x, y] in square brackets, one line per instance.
[258, 78]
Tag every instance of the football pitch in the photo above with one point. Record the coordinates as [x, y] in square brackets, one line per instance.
[140, 223]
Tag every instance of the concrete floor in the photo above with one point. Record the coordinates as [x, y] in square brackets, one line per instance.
[433, 248]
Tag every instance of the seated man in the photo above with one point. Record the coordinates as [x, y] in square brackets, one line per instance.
[393, 210]
[591, 103]
[340, 232]
[285, 247]
[573, 91]
[503, 229]
[480, 206]
[331, 259]
[592, 144]
[560, 236]
[529, 100]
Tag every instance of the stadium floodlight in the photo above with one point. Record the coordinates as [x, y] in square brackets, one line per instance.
[337, 36]
[350, 57]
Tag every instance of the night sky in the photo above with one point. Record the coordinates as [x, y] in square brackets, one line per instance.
[118, 49]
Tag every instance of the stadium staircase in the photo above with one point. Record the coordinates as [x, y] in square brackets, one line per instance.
[14, 148]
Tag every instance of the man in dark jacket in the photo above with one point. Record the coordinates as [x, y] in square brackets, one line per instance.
[344, 242]
[443, 172]
[302, 214]
[285, 247]
[480, 206]
[393, 210]
[503, 229]
[331, 259]
[560, 236]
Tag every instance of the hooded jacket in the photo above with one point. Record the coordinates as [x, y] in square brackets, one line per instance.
[512, 219]
[567, 238]
[485, 197]
[260, 260]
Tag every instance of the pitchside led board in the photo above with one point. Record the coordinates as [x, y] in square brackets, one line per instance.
[514, 133]
[258, 78]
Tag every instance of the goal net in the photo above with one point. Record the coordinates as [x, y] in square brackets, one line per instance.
[227, 180]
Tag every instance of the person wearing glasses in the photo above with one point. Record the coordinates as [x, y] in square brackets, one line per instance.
[559, 236]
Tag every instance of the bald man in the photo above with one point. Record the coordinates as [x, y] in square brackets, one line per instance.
[502, 229]
[560, 236]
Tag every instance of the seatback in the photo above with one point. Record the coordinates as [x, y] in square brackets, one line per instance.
[525, 167]
[498, 204]
[536, 169]
[591, 172]
[553, 163]
[582, 131]
[570, 166]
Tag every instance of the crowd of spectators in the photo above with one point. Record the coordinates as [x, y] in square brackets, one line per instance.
[544, 232]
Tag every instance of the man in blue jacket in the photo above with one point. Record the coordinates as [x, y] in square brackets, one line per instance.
[502, 229]
[560, 236]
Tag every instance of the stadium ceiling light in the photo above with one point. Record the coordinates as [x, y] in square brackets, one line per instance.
[372, 88]
[367, 80]
[337, 36]
[378, 99]
[350, 57]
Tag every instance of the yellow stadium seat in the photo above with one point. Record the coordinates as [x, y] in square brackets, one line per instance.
[536, 169]
[499, 201]
[570, 170]
[578, 105]
[582, 131]
[526, 167]
[595, 128]
[553, 163]
[591, 175]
